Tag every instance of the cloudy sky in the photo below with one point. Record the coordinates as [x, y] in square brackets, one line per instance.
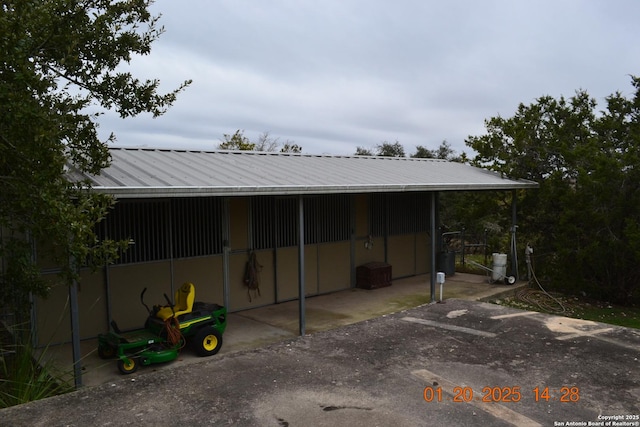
[332, 75]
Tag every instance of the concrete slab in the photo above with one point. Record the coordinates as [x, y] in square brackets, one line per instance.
[266, 325]
[462, 363]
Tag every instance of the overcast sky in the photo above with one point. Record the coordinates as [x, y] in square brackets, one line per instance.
[332, 75]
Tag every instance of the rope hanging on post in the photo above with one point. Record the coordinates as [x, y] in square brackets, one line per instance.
[252, 275]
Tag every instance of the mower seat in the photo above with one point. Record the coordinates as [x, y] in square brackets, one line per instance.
[183, 302]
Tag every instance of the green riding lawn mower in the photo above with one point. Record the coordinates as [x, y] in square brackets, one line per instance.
[166, 331]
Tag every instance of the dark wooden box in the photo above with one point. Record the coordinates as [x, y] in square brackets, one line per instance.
[373, 275]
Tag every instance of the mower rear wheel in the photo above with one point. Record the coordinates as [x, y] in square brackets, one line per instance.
[207, 341]
[106, 351]
[128, 367]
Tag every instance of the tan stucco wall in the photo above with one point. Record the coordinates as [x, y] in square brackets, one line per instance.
[334, 266]
[287, 261]
[288, 272]
[205, 273]
[401, 255]
[375, 253]
[310, 270]
[126, 282]
[423, 253]
[52, 314]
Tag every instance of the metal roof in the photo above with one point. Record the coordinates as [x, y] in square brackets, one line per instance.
[146, 172]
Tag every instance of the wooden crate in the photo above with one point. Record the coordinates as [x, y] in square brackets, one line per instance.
[373, 275]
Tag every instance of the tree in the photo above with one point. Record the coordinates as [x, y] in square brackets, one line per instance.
[266, 143]
[423, 153]
[269, 144]
[584, 218]
[444, 152]
[59, 60]
[388, 149]
[361, 151]
[237, 141]
[289, 147]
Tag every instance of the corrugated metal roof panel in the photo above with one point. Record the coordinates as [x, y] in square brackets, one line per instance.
[144, 172]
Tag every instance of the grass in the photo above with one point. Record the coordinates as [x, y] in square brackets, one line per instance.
[25, 375]
[570, 306]
[575, 307]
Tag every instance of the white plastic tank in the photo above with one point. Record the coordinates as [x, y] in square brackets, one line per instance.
[499, 268]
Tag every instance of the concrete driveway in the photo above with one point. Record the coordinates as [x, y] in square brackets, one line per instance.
[460, 363]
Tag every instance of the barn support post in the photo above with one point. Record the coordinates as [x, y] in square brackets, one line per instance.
[226, 255]
[301, 287]
[514, 227]
[74, 314]
[434, 242]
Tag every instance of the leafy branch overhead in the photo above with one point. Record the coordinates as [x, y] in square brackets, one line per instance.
[62, 60]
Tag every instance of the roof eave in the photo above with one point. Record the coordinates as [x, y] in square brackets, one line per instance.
[176, 191]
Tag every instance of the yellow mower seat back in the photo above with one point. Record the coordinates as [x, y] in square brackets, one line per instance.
[183, 302]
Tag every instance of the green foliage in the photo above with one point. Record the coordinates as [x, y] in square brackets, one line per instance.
[444, 152]
[362, 151]
[25, 374]
[291, 148]
[584, 218]
[58, 60]
[387, 149]
[237, 141]
[265, 142]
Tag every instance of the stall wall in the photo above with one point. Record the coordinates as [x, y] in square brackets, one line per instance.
[372, 252]
[126, 282]
[52, 314]
[205, 273]
[287, 277]
[401, 255]
[423, 253]
[334, 262]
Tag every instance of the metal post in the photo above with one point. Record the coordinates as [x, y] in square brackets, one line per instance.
[301, 288]
[75, 328]
[434, 199]
[463, 243]
[514, 249]
[226, 256]
[168, 212]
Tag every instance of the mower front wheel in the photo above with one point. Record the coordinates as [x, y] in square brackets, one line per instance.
[207, 341]
[129, 366]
